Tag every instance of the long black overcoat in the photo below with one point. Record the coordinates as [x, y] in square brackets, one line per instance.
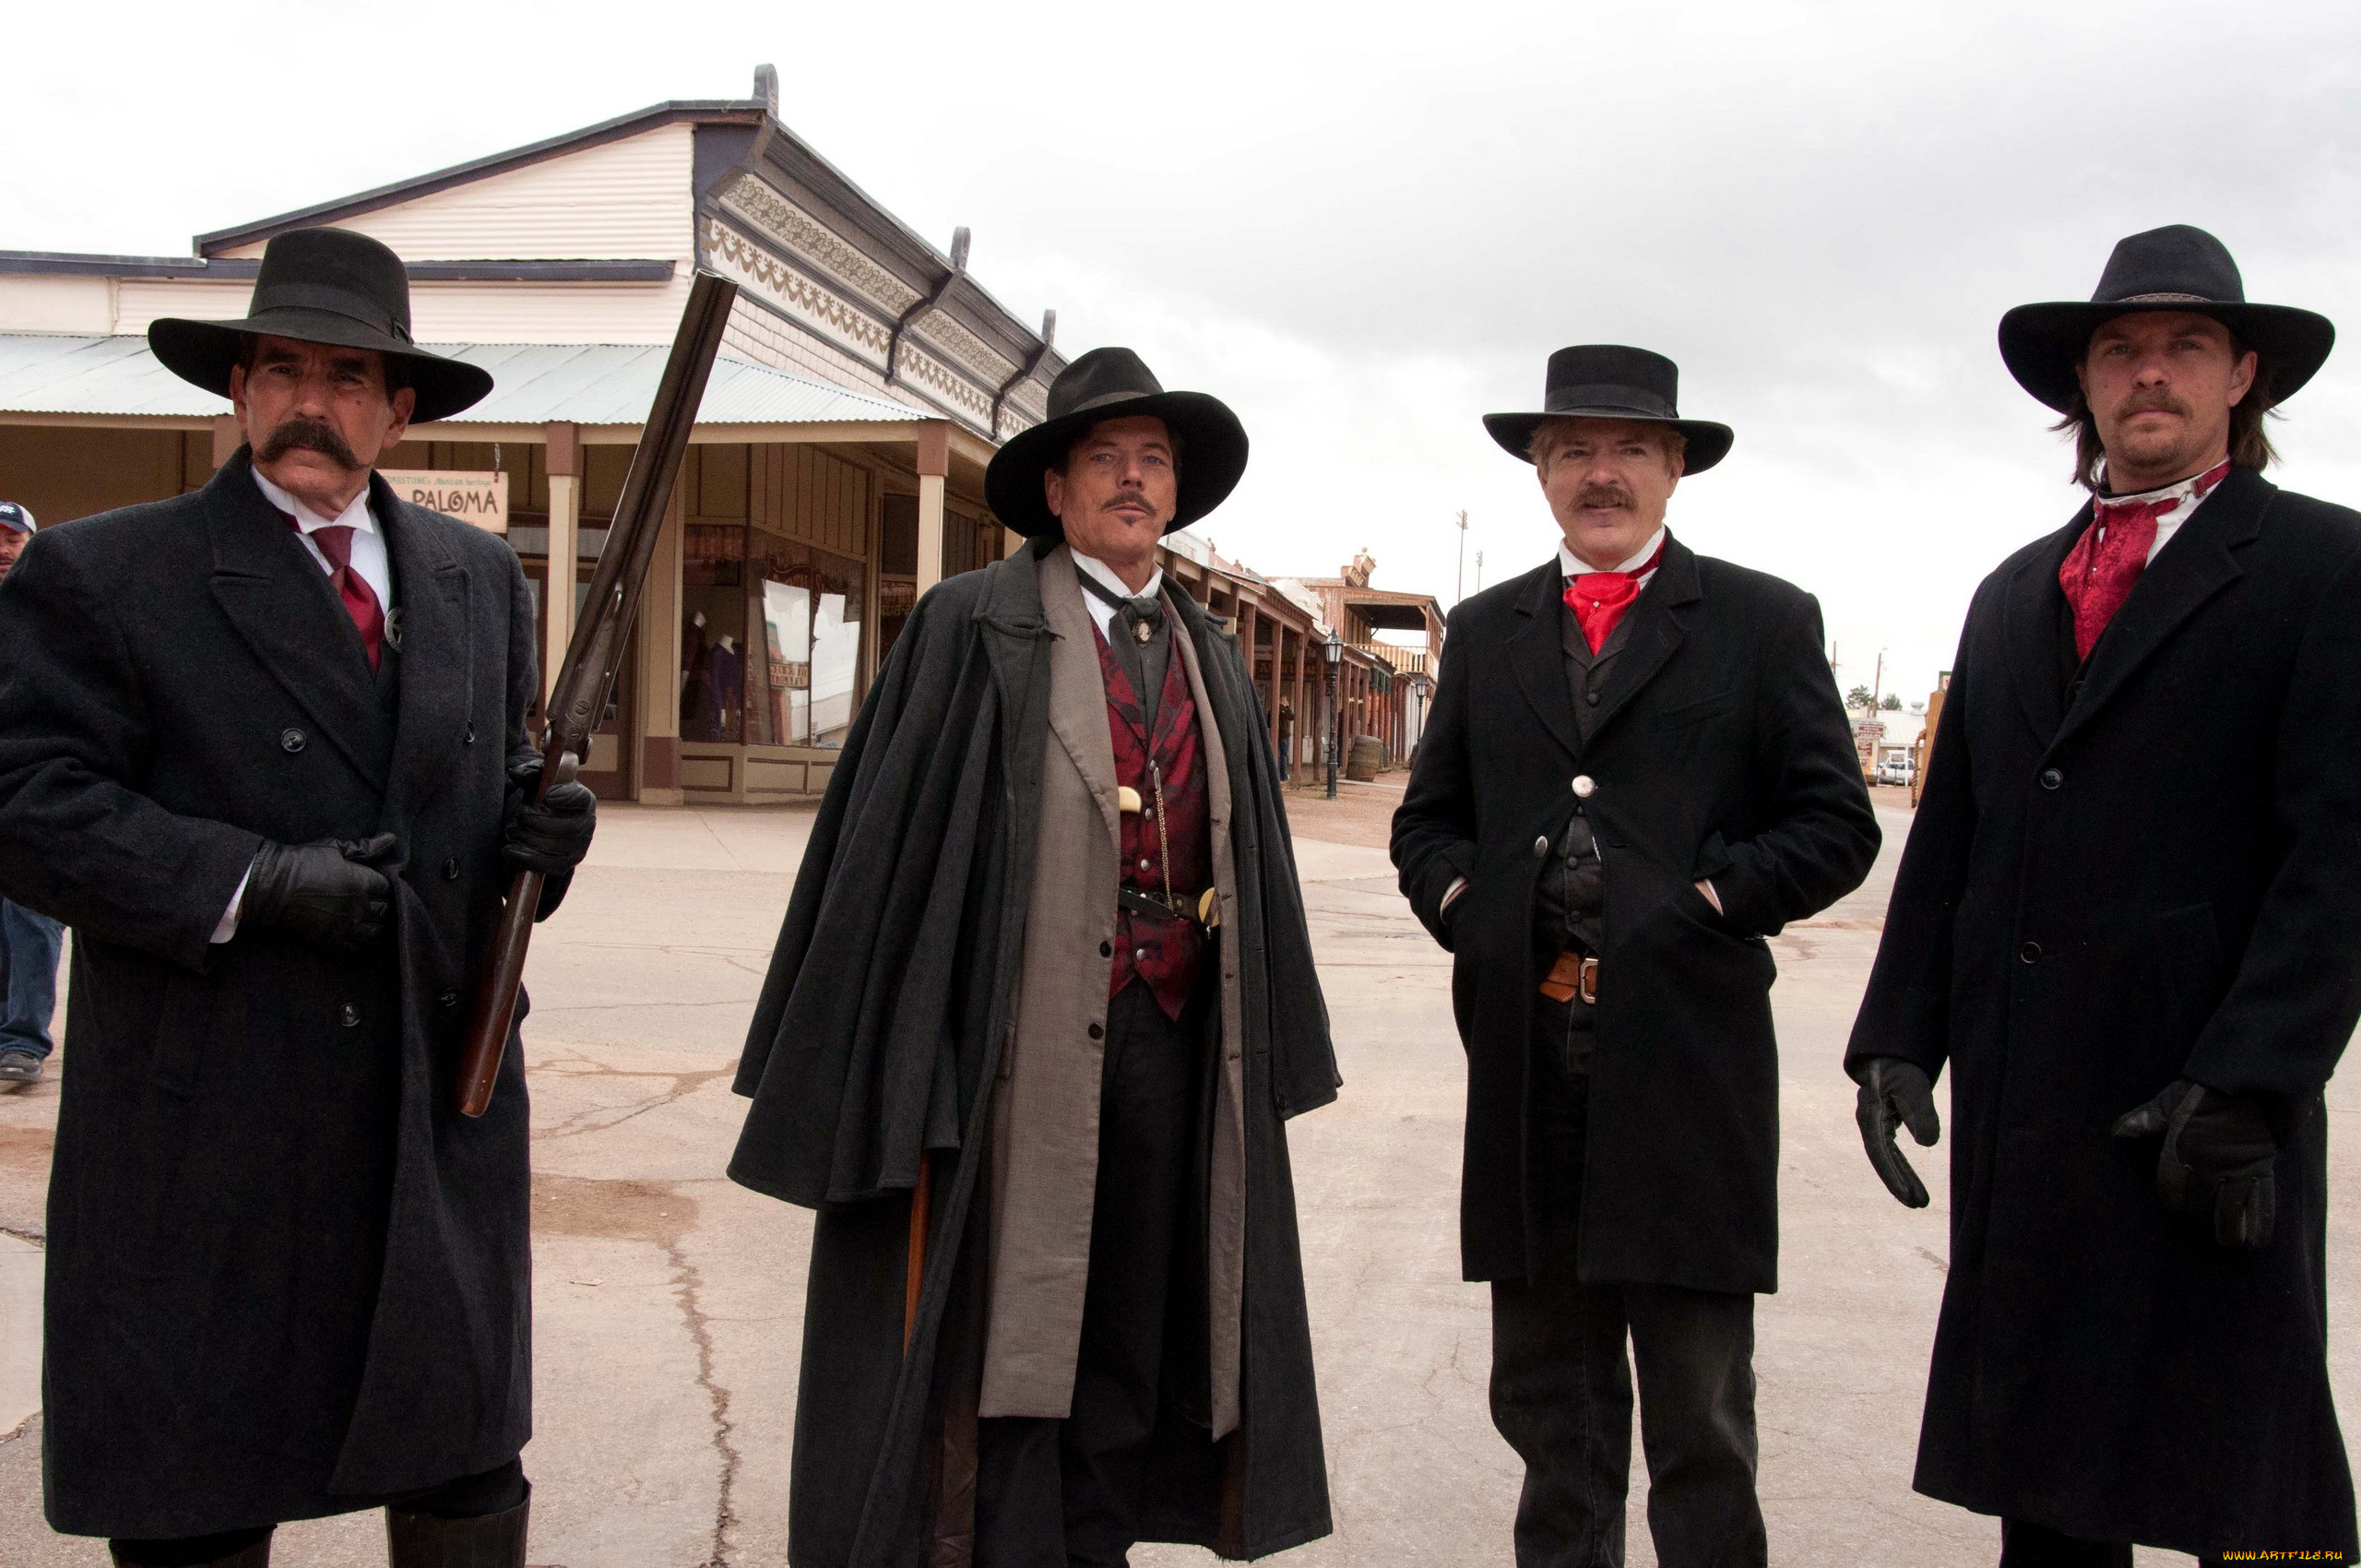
[284, 1275]
[2162, 881]
[1721, 751]
[878, 1035]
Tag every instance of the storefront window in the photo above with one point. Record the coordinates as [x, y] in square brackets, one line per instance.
[713, 633]
[808, 604]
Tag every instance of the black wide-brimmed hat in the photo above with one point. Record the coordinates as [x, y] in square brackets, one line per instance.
[1608, 381]
[323, 286]
[2176, 267]
[1114, 384]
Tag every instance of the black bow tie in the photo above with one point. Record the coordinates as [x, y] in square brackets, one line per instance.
[1142, 617]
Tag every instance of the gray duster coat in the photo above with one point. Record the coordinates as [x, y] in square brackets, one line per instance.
[284, 1277]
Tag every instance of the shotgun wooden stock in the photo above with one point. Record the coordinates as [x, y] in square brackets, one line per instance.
[921, 1216]
[578, 696]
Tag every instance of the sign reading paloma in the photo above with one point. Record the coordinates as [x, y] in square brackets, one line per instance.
[480, 498]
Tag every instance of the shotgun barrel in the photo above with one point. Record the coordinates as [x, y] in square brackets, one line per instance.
[578, 696]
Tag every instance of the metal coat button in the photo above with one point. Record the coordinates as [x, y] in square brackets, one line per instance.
[2030, 953]
[1541, 848]
[1139, 955]
[2051, 778]
[291, 741]
[469, 738]
[351, 1016]
[451, 870]
[448, 999]
[1584, 786]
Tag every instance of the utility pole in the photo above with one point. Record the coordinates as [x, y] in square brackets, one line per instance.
[1459, 587]
[1479, 571]
[1877, 683]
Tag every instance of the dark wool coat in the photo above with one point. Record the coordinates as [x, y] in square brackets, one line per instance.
[2162, 881]
[1721, 751]
[284, 1275]
[878, 1034]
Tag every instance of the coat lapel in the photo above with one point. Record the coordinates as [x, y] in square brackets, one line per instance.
[1657, 632]
[2029, 612]
[281, 603]
[1078, 687]
[1536, 655]
[2199, 562]
[437, 653]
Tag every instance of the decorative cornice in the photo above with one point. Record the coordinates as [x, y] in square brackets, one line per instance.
[790, 290]
[785, 224]
[919, 365]
[944, 329]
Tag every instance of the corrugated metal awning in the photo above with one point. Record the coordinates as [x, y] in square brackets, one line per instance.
[606, 384]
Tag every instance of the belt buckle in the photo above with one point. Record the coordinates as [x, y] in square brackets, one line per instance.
[1586, 986]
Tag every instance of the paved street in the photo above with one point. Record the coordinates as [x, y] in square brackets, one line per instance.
[670, 1301]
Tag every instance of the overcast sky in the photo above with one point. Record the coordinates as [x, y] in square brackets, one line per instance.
[1365, 227]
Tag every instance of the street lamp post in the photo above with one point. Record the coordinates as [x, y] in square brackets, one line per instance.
[1333, 651]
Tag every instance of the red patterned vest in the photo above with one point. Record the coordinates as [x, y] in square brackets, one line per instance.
[1164, 954]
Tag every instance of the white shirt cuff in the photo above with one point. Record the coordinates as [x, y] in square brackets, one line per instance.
[227, 927]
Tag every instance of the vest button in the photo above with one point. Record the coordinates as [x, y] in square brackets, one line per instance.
[2051, 778]
[1584, 786]
[291, 741]
[1541, 846]
[2030, 953]
[351, 1016]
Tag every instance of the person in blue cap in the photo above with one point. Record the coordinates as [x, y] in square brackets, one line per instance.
[29, 941]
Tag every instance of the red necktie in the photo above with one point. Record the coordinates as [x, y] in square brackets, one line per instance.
[359, 601]
[2098, 572]
[1599, 599]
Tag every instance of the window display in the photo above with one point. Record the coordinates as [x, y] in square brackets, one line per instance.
[770, 639]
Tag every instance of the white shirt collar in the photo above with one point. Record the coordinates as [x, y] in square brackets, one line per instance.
[1571, 565]
[1102, 615]
[1105, 576]
[356, 517]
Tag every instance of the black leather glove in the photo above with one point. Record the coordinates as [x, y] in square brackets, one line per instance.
[2217, 1161]
[325, 894]
[551, 836]
[1896, 1093]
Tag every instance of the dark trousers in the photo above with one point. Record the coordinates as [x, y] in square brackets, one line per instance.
[1067, 1493]
[470, 1497]
[2026, 1545]
[1562, 1375]
[30, 942]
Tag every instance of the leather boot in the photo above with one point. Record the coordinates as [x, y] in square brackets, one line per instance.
[255, 1556]
[422, 1540]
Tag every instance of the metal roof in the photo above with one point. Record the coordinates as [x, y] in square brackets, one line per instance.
[532, 384]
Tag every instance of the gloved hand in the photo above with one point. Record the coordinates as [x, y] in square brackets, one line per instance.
[2217, 1161]
[1896, 1093]
[552, 836]
[325, 894]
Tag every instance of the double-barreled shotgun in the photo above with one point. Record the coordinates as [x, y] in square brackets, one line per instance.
[578, 696]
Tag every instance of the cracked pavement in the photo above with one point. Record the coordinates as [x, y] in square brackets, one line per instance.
[670, 1300]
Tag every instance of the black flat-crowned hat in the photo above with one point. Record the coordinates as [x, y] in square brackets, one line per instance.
[323, 286]
[1114, 384]
[1606, 381]
[2176, 267]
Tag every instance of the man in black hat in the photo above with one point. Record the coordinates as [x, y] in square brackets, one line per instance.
[263, 746]
[1636, 769]
[1042, 1002]
[2130, 919]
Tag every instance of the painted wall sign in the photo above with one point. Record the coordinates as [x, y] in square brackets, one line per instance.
[478, 497]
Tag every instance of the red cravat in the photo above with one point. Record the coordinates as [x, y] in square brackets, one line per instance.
[1599, 599]
[360, 600]
[2099, 571]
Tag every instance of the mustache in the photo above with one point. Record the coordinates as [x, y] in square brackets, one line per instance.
[1129, 498]
[1605, 496]
[307, 435]
[2151, 402]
